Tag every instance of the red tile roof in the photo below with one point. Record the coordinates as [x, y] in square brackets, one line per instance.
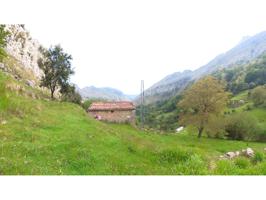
[119, 105]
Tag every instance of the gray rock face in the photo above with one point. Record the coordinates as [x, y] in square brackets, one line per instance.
[30, 83]
[248, 49]
[21, 46]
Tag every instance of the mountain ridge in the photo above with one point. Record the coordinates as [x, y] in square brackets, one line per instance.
[249, 48]
[105, 93]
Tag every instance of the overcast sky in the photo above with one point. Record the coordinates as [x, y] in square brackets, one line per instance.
[118, 43]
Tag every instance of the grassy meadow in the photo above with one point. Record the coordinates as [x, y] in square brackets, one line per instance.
[43, 137]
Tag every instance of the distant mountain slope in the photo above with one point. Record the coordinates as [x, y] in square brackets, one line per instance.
[247, 50]
[106, 93]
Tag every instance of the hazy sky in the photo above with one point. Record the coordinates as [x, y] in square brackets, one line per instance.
[118, 43]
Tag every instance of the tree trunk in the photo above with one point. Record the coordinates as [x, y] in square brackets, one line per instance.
[52, 94]
[200, 132]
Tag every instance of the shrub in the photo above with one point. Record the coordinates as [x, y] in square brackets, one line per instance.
[258, 157]
[261, 137]
[69, 94]
[258, 95]
[173, 157]
[3, 41]
[74, 98]
[241, 126]
[225, 167]
[86, 104]
[242, 163]
[195, 165]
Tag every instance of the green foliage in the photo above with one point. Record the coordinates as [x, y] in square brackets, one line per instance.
[242, 162]
[56, 66]
[69, 94]
[243, 77]
[257, 77]
[43, 137]
[258, 157]
[195, 165]
[241, 126]
[204, 100]
[3, 36]
[174, 156]
[86, 104]
[225, 167]
[3, 97]
[258, 96]
[161, 115]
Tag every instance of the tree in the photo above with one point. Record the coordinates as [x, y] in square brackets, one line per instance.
[204, 99]
[69, 94]
[258, 95]
[3, 36]
[56, 66]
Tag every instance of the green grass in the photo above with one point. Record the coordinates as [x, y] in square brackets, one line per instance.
[54, 138]
[257, 112]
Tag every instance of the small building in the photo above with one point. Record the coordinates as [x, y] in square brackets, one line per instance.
[120, 111]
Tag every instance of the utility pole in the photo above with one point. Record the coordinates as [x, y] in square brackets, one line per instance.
[142, 101]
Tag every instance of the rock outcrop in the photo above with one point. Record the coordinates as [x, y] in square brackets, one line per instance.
[245, 152]
[23, 48]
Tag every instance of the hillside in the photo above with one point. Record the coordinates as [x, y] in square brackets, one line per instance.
[240, 79]
[45, 137]
[105, 93]
[245, 51]
[40, 136]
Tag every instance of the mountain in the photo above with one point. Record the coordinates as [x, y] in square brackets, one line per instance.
[248, 49]
[106, 93]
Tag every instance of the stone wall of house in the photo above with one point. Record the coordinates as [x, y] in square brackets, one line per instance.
[118, 116]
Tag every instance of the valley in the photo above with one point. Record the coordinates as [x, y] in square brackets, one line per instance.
[45, 128]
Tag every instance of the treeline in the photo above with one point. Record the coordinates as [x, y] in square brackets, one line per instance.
[206, 107]
[161, 115]
[244, 77]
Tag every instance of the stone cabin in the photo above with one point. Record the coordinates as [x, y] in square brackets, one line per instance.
[119, 112]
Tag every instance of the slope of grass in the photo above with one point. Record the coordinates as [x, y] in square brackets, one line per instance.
[45, 137]
[257, 112]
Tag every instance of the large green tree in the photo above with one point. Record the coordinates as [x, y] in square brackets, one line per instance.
[202, 101]
[56, 65]
[3, 36]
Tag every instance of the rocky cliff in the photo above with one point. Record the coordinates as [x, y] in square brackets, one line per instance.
[23, 53]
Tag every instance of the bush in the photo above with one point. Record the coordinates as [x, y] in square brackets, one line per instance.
[3, 41]
[261, 137]
[69, 94]
[86, 104]
[73, 98]
[242, 163]
[225, 167]
[195, 165]
[258, 157]
[174, 157]
[241, 126]
[258, 95]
